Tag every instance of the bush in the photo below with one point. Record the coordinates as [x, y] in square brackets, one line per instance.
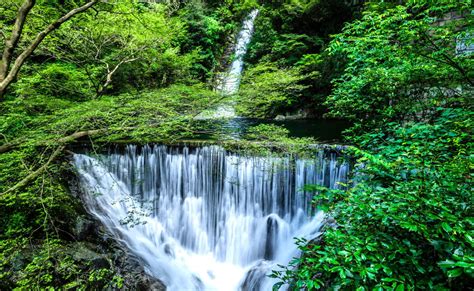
[62, 80]
[266, 90]
[407, 220]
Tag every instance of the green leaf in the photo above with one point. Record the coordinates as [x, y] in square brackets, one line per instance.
[455, 273]
[446, 227]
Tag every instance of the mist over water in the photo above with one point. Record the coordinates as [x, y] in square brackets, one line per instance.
[204, 218]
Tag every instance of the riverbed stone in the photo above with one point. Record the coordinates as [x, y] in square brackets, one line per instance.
[280, 118]
[255, 276]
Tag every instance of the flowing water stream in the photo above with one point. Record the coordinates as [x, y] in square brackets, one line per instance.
[230, 81]
[204, 218]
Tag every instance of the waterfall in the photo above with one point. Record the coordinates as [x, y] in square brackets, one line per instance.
[204, 218]
[230, 81]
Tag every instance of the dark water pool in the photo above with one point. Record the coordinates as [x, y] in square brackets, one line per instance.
[323, 130]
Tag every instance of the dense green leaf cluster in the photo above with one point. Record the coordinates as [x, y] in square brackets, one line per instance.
[267, 88]
[406, 220]
[401, 63]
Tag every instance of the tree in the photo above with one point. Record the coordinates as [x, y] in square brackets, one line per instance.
[400, 63]
[127, 34]
[10, 66]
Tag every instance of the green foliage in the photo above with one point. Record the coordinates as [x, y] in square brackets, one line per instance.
[207, 33]
[292, 35]
[271, 141]
[35, 225]
[55, 79]
[135, 45]
[267, 90]
[290, 48]
[50, 264]
[143, 43]
[401, 63]
[267, 132]
[407, 221]
[161, 115]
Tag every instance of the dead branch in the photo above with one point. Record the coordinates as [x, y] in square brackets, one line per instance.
[110, 73]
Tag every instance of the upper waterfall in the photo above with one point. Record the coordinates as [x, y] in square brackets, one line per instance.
[204, 218]
[230, 81]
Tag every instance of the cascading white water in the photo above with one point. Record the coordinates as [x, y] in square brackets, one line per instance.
[204, 218]
[230, 81]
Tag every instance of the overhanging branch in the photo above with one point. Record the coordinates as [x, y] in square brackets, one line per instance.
[11, 73]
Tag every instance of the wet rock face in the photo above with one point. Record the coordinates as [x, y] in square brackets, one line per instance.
[147, 283]
[85, 253]
[83, 228]
[272, 233]
[300, 114]
[254, 277]
[133, 273]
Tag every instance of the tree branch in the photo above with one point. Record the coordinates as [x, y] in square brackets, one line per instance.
[15, 144]
[20, 60]
[54, 155]
[11, 43]
[447, 59]
[80, 134]
[110, 73]
[36, 173]
[8, 147]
